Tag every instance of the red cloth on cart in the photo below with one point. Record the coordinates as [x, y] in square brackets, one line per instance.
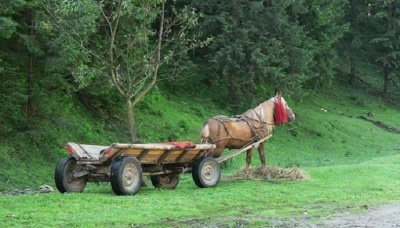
[183, 144]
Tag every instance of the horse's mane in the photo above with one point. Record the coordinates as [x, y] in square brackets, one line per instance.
[263, 112]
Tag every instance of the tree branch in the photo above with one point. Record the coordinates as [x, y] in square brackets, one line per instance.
[113, 34]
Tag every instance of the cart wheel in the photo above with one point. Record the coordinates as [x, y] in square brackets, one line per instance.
[126, 175]
[206, 172]
[165, 181]
[64, 176]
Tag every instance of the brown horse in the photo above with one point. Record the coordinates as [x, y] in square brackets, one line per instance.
[245, 129]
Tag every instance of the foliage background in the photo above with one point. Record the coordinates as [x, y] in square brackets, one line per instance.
[335, 60]
[308, 48]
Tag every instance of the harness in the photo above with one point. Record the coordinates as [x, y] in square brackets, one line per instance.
[258, 127]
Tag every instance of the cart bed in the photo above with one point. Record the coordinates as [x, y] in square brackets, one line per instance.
[147, 153]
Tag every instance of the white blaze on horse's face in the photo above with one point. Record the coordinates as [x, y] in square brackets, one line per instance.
[290, 114]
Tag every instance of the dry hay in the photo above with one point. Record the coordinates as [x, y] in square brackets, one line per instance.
[277, 174]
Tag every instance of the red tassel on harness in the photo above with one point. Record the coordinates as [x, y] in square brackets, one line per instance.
[280, 115]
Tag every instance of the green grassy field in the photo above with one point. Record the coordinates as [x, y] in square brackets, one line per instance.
[254, 203]
[351, 163]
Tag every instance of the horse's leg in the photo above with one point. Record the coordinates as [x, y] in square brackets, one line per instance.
[248, 161]
[261, 152]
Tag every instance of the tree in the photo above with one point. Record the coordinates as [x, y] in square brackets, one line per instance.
[261, 44]
[387, 42]
[20, 51]
[128, 41]
[324, 27]
[355, 43]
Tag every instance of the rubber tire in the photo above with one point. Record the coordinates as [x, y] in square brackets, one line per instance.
[169, 181]
[63, 176]
[206, 172]
[126, 175]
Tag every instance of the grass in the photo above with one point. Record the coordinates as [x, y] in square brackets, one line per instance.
[351, 163]
[331, 189]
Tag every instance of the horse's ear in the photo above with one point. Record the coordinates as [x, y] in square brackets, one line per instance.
[278, 92]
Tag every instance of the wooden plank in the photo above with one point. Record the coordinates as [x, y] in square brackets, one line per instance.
[147, 146]
[86, 151]
[199, 155]
[165, 155]
[179, 159]
[160, 146]
[239, 151]
[142, 154]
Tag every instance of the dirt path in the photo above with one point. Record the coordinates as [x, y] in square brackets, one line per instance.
[386, 216]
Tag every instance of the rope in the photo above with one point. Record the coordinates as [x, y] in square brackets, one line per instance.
[256, 131]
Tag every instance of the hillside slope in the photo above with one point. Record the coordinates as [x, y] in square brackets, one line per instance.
[327, 131]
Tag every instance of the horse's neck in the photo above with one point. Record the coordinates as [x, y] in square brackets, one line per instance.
[268, 107]
[263, 112]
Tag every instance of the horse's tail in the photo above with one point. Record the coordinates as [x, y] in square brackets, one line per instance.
[205, 133]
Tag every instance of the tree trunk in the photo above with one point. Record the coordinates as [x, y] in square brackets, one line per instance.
[30, 112]
[386, 80]
[352, 74]
[132, 124]
[386, 73]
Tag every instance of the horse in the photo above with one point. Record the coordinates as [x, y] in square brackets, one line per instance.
[249, 127]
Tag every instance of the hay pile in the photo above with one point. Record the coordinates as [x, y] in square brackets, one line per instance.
[277, 174]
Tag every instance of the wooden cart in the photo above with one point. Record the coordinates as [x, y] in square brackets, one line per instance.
[124, 165]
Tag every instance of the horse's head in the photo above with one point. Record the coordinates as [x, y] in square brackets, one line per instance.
[282, 112]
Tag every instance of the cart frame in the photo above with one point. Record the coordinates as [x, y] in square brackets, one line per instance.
[126, 165]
